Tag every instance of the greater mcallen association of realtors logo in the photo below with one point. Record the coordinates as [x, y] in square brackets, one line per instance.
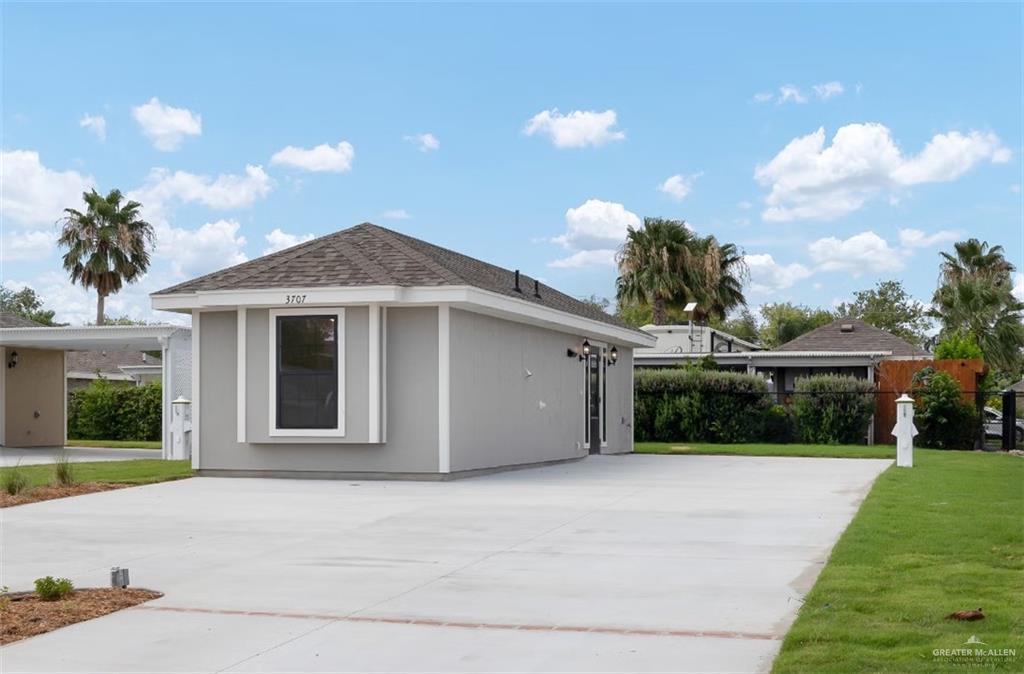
[974, 652]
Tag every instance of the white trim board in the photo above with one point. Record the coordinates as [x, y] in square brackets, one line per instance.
[444, 449]
[241, 369]
[469, 298]
[273, 430]
[373, 363]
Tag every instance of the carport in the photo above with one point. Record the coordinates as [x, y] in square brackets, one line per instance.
[33, 383]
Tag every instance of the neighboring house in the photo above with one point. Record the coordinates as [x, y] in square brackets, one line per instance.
[34, 378]
[682, 344]
[371, 353]
[128, 368]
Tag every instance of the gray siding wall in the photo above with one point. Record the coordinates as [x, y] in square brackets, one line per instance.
[411, 385]
[497, 417]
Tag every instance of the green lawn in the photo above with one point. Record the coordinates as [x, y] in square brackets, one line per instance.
[117, 444]
[945, 535]
[140, 471]
[762, 449]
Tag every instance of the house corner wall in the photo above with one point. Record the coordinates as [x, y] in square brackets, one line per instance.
[35, 397]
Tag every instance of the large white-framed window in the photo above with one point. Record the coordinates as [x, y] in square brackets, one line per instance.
[307, 372]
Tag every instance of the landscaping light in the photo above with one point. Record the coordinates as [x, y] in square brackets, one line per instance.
[613, 355]
[13, 361]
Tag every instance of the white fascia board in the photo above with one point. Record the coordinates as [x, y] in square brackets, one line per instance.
[463, 297]
[84, 337]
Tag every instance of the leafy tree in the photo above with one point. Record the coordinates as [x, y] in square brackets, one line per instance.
[975, 296]
[944, 420]
[639, 315]
[957, 345]
[125, 320]
[665, 265]
[743, 326]
[784, 322]
[25, 303]
[890, 307]
[599, 303]
[107, 245]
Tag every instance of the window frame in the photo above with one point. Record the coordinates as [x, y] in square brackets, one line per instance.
[274, 431]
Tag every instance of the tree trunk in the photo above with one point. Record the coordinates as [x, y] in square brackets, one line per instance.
[99, 308]
[659, 311]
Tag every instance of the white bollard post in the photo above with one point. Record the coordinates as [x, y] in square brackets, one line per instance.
[904, 430]
[181, 428]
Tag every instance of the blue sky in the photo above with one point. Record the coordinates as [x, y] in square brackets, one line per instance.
[836, 144]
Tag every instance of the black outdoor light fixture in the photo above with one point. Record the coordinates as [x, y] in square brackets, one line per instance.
[582, 354]
[12, 362]
[613, 356]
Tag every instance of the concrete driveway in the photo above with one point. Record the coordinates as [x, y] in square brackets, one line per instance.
[616, 563]
[29, 456]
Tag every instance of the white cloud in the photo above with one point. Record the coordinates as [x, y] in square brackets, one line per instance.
[396, 214]
[167, 126]
[790, 93]
[827, 90]
[768, 276]
[280, 240]
[810, 180]
[424, 142]
[1018, 286]
[224, 192]
[579, 128]
[596, 225]
[864, 252]
[915, 238]
[335, 159]
[193, 252]
[763, 97]
[586, 258]
[34, 195]
[95, 123]
[26, 246]
[594, 232]
[1015, 189]
[745, 205]
[679, 186]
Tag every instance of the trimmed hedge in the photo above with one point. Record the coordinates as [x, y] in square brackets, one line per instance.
[105, 412]
[831, 409]
[694, 405]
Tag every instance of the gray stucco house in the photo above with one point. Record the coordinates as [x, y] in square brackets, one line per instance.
[370, 353]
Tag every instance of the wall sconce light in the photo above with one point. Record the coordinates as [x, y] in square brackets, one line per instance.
[583, 352]
[12, 362]
[613, 356]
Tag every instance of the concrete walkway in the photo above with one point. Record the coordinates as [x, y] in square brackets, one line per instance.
[615, 563]
[29, 456]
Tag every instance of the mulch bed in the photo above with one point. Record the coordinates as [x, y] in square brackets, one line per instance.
[24, 614]
[47, 492]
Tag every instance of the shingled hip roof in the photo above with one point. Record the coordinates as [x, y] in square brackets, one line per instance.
[852, 335]
[372, 256]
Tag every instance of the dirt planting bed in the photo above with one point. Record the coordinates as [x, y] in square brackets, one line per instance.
[45, 493]
[24, 614]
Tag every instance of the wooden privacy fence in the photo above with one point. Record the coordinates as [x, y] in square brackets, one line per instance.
[895, 377]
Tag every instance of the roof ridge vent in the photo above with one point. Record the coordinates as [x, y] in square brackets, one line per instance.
[846, 327]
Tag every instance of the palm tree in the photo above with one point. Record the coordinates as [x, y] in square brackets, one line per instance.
[975, 296]
[107, 245]
[654, 266]
[666, 265]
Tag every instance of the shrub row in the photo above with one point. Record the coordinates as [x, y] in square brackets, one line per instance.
[105, 412]
[696, 405]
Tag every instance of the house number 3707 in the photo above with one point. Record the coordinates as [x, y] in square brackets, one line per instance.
[294, 299]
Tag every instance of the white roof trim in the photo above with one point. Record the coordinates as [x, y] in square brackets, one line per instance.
[89, 338]
[469, 298]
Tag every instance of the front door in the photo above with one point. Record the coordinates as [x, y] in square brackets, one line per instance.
[594, 400]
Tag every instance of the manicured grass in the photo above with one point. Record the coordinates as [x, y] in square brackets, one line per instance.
[942, 536]
[117, 444]
[140, 471]
[763, 449]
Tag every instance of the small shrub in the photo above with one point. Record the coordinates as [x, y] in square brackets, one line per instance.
[833, 409]
[64, 470]
[942, 418]
[14, 480]
[778, 425]
[52, 589]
